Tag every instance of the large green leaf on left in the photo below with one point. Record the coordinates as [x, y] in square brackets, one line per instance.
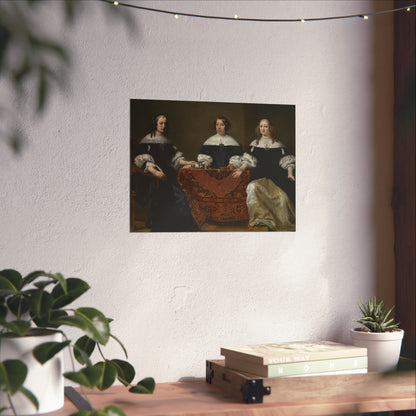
[88, 376]
[13, 277]
[74, 289]
[108, 374]
[91, 321]
[45, 351]
[145, 386]
[17, 326]
[12, 375]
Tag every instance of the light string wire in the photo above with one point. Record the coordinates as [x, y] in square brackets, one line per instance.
[247, 19]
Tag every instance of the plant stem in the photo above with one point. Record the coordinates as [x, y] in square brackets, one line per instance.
[101, 353]
[73, 369]
[11, 404]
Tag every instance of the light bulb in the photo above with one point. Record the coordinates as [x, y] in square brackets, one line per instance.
[236, 16]
[115, 3]
[176, 16]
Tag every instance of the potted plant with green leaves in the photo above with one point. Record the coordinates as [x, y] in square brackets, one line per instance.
[380, 334]
[34, 311]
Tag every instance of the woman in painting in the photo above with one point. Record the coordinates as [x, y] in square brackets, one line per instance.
[271, 191]
[160, 159]
[221, 150]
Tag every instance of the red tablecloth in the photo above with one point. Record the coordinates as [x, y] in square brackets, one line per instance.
[217, 193]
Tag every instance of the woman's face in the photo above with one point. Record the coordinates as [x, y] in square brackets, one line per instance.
[264, 128]
[220, 127]
[161, 125]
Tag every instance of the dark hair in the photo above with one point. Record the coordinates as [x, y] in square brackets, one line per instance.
[272, 130]
[225, 120]
[155, 119]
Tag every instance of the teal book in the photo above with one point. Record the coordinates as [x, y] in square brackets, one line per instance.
[338, 365]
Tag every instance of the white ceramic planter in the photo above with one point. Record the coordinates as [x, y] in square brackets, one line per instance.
[383, 348]
[44, 381]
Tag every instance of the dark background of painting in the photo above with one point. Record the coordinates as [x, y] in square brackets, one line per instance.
[190, 123]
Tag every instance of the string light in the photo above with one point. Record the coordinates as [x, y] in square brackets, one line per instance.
[247, 19]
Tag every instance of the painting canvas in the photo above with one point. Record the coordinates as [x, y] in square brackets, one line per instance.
[212, 166]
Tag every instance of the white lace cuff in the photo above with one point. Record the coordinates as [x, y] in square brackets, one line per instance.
[236, 161]
[175, 160]
[204, 158]
[141, 160]
[287, 161]
[249, 160]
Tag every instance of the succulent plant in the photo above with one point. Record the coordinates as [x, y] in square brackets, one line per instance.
[375, 318]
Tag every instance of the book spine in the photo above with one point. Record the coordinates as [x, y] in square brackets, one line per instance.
[321, 366]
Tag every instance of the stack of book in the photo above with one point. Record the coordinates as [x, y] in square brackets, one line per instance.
[296, 359]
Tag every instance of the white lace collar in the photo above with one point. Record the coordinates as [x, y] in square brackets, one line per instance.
[267, 144]
[155, 139]
[217, 140]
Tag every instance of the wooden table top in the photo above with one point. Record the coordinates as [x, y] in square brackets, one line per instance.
[198, 398]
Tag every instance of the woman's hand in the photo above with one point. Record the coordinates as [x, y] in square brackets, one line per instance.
[237, 173]
[290, 175]
[159, 175]
[207, 165]
[187, 162]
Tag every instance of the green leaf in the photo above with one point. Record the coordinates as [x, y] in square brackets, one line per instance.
[75, 288]
[145, 386]
[105, 411]
[3, 312]
[88, 377]
[30, 396]
[83, 349]
[98, 328]
[12, 375]
[13, 276]
[125, 371]
[83, 413]
[40, 304]
[18, 305]
[55, 316]
[31, 277]
[45, 351]
[6, 287]
[108, 374]
[18, 327]
[110, 411]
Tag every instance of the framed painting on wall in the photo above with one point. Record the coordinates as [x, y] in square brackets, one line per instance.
[212, 166]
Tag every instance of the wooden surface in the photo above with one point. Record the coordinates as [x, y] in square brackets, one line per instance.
[300, 396]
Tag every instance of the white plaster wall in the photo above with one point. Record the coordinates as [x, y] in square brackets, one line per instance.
[177, 298]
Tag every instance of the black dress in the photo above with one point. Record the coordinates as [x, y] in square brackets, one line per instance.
[220, 151]
[169, 208]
